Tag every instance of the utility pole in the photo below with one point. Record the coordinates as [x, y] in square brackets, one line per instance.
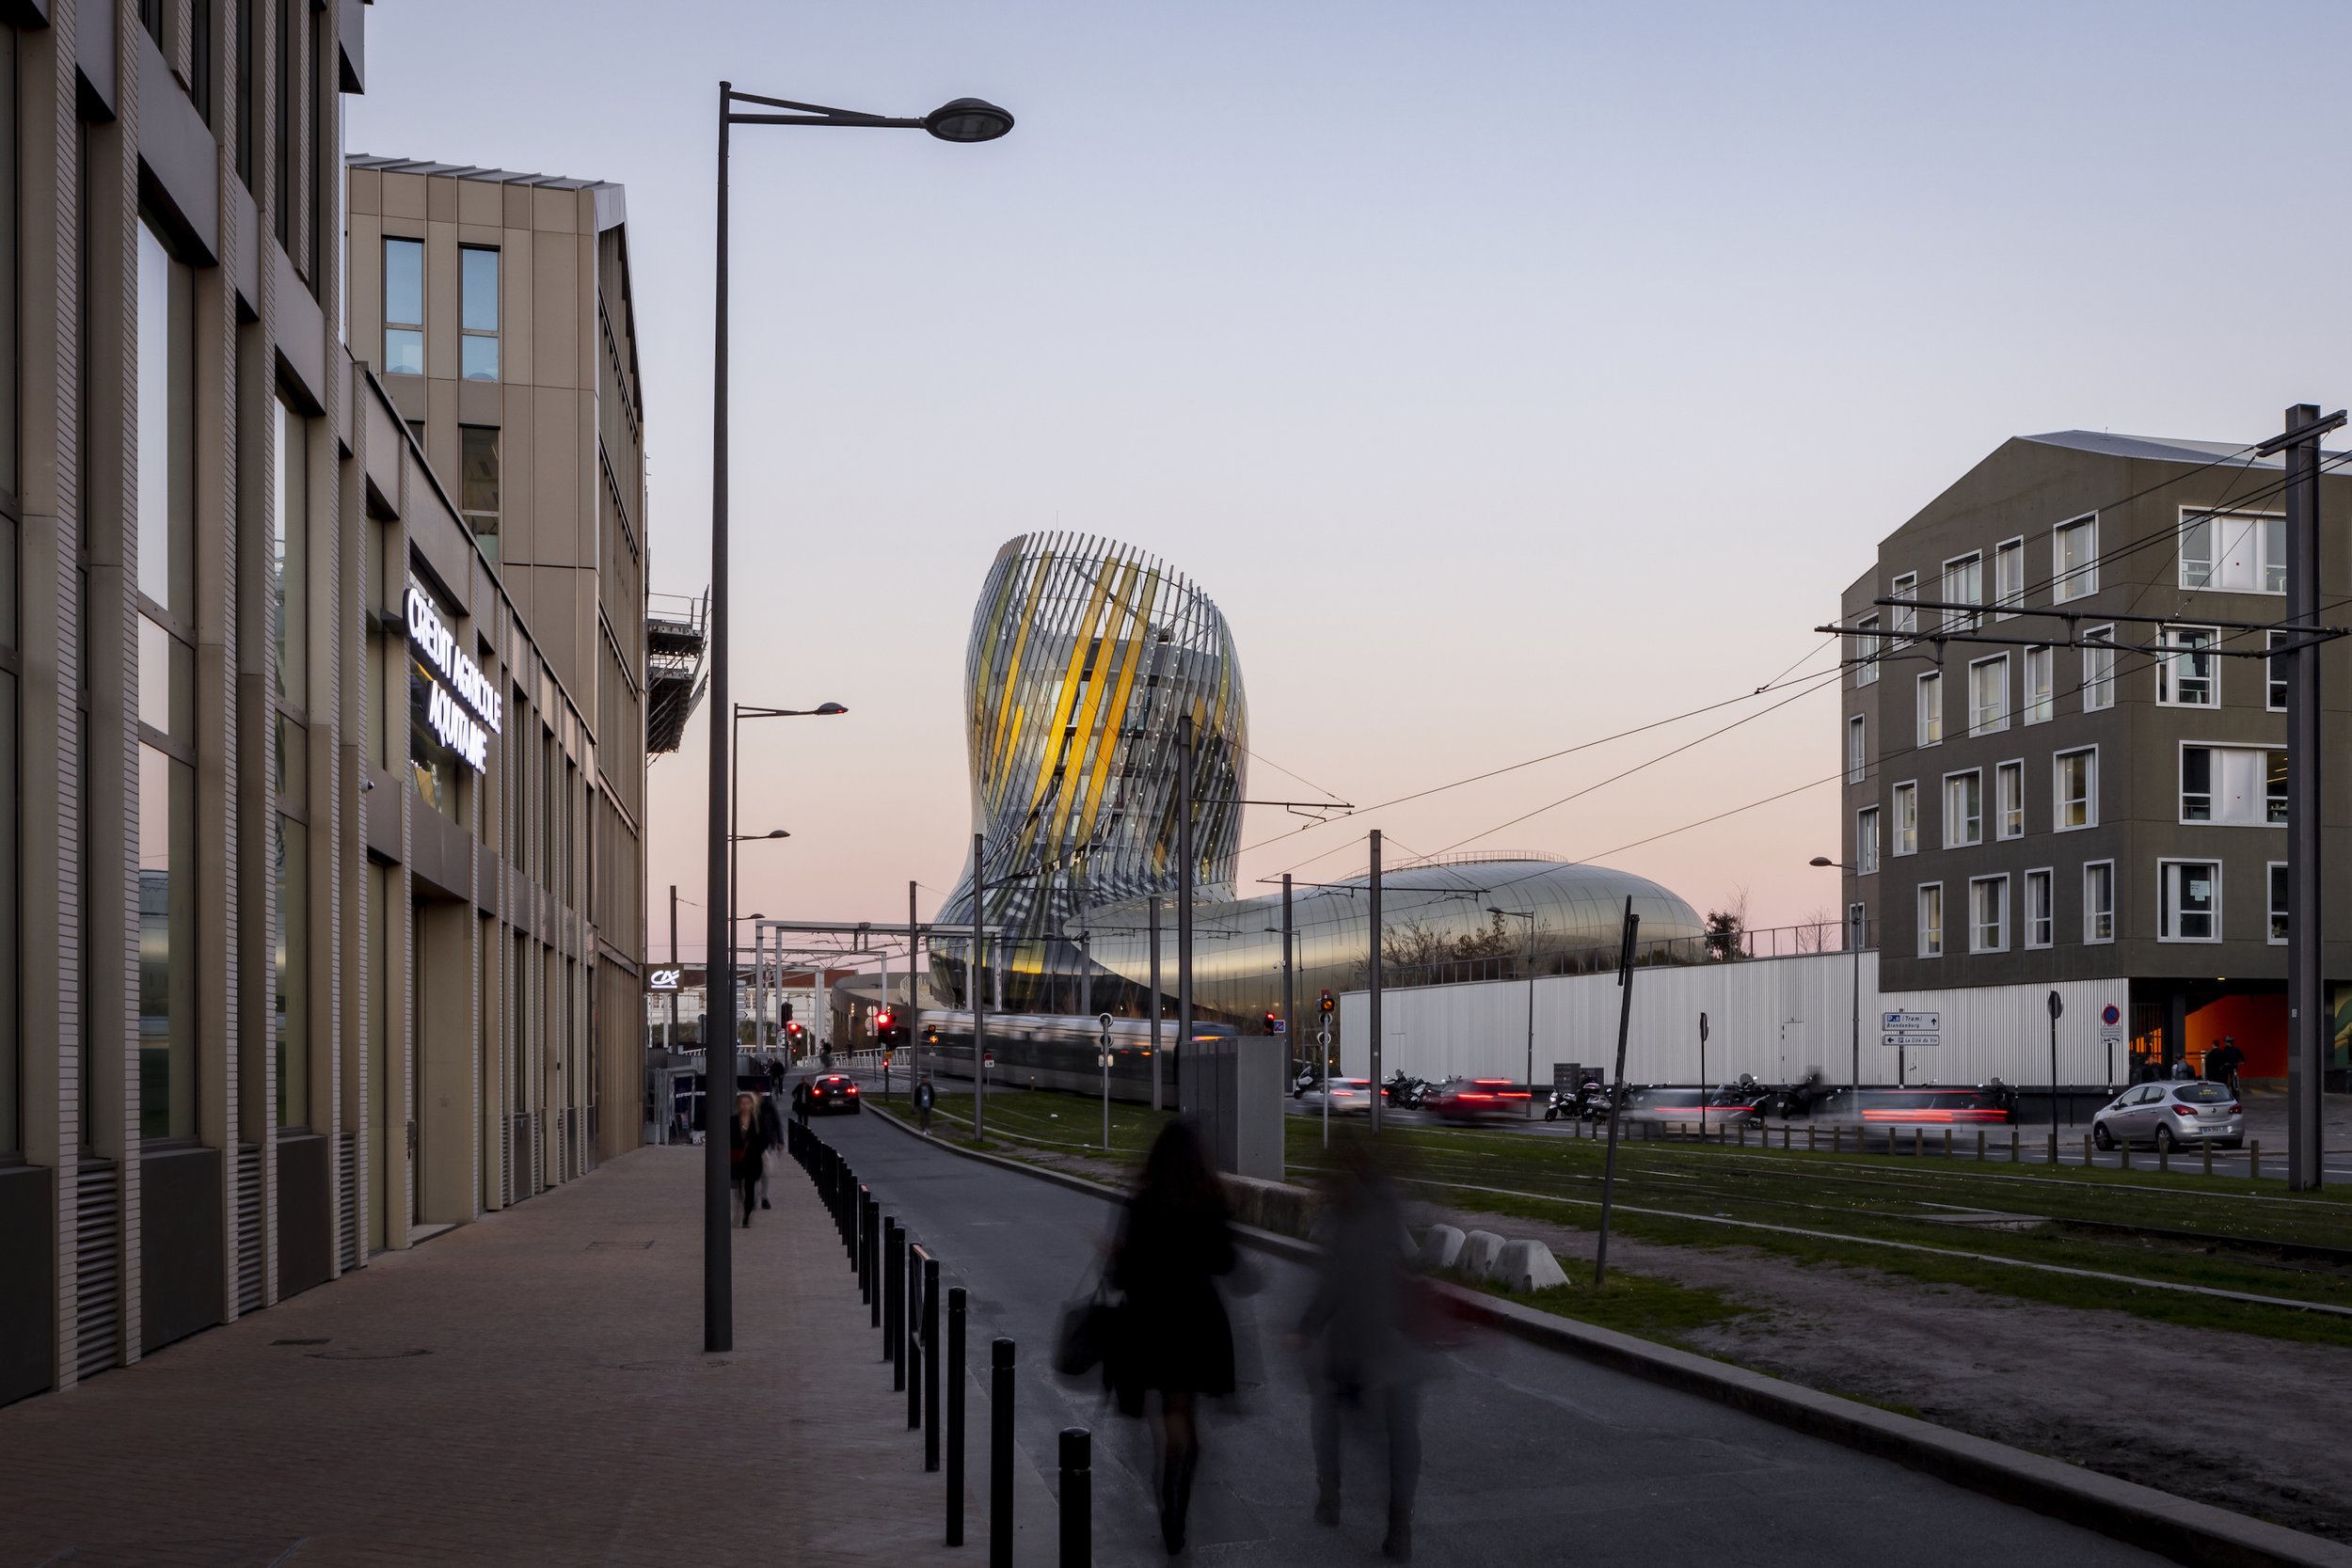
[972, 983]
[1371, 1033]
[914, 992]
[1155, 1002]
[669, 1037]
[1616, 1092]
[1289, 1015]
[1183, 899]
[2308, 1019]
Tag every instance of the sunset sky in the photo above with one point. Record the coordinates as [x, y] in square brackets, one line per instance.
[1511, 374]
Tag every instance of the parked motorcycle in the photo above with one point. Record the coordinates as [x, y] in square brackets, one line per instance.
[1403, 1091]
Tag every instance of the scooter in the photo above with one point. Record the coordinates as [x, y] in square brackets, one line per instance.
[1308, 1078]
[1404, 1092]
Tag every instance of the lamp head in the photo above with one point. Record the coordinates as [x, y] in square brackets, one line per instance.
[967, 120]
[826, 710]
[1821, 860]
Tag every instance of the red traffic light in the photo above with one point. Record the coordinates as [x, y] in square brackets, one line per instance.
[882, 1019]
[792, 1028]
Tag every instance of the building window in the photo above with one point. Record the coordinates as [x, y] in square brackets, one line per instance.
[1988, 695]
[2075, 559]
[404, 307]
[1857, 764]
[2191, 895]
[1963, 583]
[1964, 809]
[2187, 678]
[2099, 901]
[1988, 914]
[2040, 701]
[2008, 800]
[2009, 576]
[2278, 900]
[294, 558]
[1865, 651]
[1930, 920]
[2245, 553]
[2075, 780]
[2098, 671]
[2242, 786]
[1906, 819]
[1866, 841]
[290, 855]
[478, 314]
[478, 469]
[1930, 709]
[2040, 918]
[2276, 698]
[1906, 619]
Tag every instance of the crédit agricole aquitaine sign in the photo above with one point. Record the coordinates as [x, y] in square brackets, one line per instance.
[461, 707]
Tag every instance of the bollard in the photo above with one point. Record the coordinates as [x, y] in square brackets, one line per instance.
[930, 1364]
[1000, 1454]
[2126, 1147]
[2253, 1159]
[2206, 1146]
[894, 1250]
[1980, 1145]
[1919, 1142]
[914, 1344]
[896, 1323]
[1948, 1143]
[2164, 1157]
[1812, 1140]
[853, 1210]
[2053, 1148]
[2012, 1143]
[955, 1417]
[1077, 1499]
[864, 1234]
[873, 1262]
[1838, 1140]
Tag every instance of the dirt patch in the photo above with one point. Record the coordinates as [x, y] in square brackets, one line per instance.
[2253, 1425]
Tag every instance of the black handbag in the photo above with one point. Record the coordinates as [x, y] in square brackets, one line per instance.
[1090, 1334]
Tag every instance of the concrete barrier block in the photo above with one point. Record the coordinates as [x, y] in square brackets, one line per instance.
[1440, 1247]
[1479, 1249]
[1526, 1266]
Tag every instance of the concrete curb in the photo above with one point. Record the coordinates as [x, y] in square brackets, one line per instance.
[2191, 1532]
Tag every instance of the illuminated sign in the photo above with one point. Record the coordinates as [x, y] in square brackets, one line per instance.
[464, 713]
[663, 979]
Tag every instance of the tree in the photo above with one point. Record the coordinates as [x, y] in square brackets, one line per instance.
[1726, 928]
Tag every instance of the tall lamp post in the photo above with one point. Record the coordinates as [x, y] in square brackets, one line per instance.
[1854, 939]
[966, 120]
[1528, 915]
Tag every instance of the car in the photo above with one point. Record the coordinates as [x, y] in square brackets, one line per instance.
[1348, 1097]
[1720, 1107]
[2171, 1113]
[829, 1092]
[1474, 1099]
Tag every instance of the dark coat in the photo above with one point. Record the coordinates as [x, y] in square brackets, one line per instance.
[1174, 1336]
[771, 1121]
[746, 1148]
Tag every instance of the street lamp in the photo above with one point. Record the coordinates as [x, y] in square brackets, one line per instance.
[1854, 936]
[1528, 915]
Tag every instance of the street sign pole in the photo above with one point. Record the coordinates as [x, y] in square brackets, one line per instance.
[1323, 1049]
[1105, 1022]
[2057, 1007]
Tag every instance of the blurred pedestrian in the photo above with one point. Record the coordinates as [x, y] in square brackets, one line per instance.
[770, 1129]
[747, 1150]
[1363, 1353]
[924, 1096]
[1174, 1241]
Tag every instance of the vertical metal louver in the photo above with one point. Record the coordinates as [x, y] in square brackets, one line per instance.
[97, 1268]
[347, 1207]
[250, 1262]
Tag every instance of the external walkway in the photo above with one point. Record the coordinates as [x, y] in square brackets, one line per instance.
[527, 1390]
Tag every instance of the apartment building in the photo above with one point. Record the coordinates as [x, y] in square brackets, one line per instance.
[310, 883]
[2022, 810]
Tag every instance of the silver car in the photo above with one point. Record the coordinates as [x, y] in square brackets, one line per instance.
[2170, 1114]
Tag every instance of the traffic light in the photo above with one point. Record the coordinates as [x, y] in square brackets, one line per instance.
[787, 1012]
[1323, 1004]
[1270, 1021]
[791, 1028]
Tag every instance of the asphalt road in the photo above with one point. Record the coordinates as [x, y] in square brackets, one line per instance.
[1532, 1457]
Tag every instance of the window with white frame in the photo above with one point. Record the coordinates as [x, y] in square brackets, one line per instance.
[2075, 789]
[2075, 559]
[2009, 576]
[1988, 914]
[2098, 901]
[2098, 671]
[2041, 677]
[2041, 918]
[2245, 553]
[1963, 583]
[1964, 809]
[1865, 651]
[2188, 677]
[1905, 620]
[1866, 841]
[2189, 900]
[1988, 695]
[2238, 786]
[1906, 840]
[2275, 699]
[1930, 709]
[1857, 762]
[2278, 900]
[2008, 800]
[1930, 920]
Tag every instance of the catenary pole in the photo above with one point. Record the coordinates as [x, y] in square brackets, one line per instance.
[718, 951]
[1155, 1002]
[914, 995]
[1289, 1012]
[1183, 899]
[972, 983]
[1372, 1032]
[1616, 1092]
[2309, 1023]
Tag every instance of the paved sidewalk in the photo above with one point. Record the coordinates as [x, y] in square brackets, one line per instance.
[528, 1389]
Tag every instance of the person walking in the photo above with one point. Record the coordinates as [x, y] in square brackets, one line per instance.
[1175, 1239]
[747, 1150]
[772, 1130]
[1358, 1329]
[924, 1096]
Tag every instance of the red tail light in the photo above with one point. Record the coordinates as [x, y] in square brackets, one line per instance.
[852, 1088]
[2234, 1108]
[2183, 1110]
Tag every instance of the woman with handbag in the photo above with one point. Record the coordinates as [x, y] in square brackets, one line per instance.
[1174, 1337]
